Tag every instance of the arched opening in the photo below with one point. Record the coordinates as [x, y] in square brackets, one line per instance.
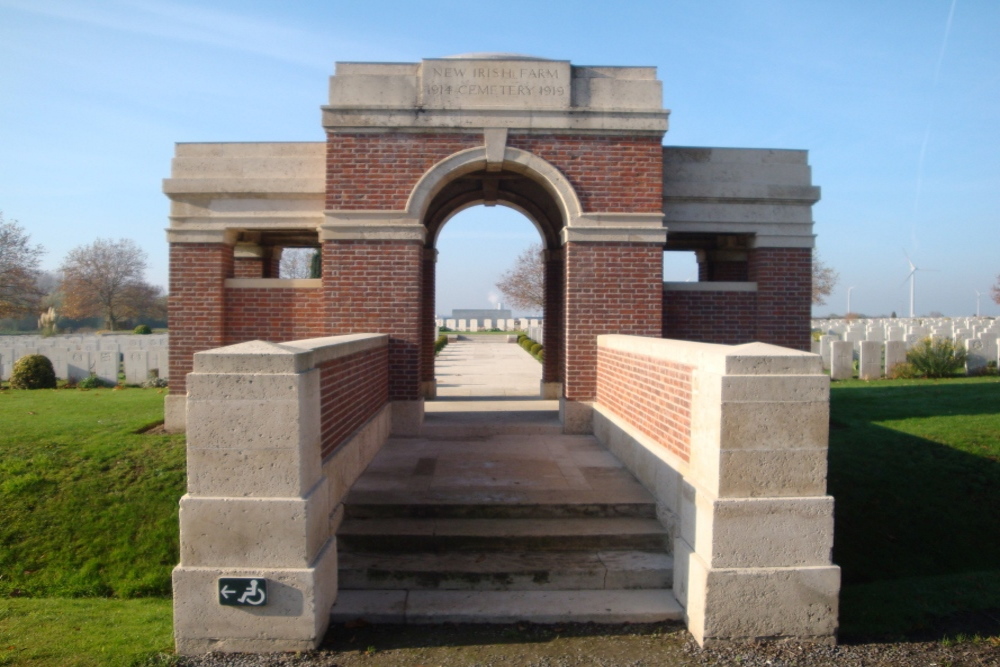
[475, 247]
[471, 192]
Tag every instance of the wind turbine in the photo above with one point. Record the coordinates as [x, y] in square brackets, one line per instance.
[912, 278]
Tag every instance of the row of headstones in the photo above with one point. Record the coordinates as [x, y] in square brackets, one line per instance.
[908, 330]
[79, 357]
[877, 359]
[515, 324]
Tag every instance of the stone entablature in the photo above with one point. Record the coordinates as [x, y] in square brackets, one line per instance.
[517, 92]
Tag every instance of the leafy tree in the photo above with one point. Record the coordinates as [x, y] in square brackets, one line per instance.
[524, 284]
[105, 279]
[19, 290]
[824, 279]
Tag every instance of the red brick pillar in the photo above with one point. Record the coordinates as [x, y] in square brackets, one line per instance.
[552, 368]
[196, 305]
[374, 286]
[428, 383]
[611, 287]
[784, 295]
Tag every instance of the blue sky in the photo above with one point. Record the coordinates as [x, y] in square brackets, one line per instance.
[898, 103]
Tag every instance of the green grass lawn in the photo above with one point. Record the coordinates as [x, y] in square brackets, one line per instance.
[85, 632]
[915, 471]
[88, 505]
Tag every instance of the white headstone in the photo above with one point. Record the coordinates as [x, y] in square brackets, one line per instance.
[106, 365]
[841, 360]
[895, 354]
[136, 366]
[870, 364]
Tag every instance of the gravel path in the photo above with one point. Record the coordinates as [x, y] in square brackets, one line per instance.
[592, 645]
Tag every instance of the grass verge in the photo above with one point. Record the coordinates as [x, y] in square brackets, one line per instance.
[84, 633]
[88, 504]
[915, 471]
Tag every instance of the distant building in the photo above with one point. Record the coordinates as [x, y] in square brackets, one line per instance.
[481, 314]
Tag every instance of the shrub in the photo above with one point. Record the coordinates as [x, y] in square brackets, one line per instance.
[440, 343]
[92, 382]
[142, 330]
[936, 357]
[534, 349]
[903, 371]
[33, 371]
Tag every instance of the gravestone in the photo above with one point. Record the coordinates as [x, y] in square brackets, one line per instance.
[895, 353]
[841, 360]
[870, 365]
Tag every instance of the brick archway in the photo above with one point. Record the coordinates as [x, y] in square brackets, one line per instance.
[577, 149]
[523, 182]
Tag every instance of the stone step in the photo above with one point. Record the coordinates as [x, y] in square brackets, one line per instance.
[472, 425]
[416, 607]
[395, 535]
[481, 571]
[373, 505]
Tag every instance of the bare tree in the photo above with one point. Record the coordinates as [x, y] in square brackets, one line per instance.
[19, 291]
[824, 279]
[524, 284]
[297, 262]
[105, 279]
[995, 292]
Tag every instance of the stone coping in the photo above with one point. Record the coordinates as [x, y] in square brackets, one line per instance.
[274, 283]
[746, 359]
[710, 287]
[262, 357]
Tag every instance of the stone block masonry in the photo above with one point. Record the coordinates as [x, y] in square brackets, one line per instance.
[276, 436]
[732, 442]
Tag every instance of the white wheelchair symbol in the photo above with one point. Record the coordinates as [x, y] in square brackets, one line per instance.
[250, 592]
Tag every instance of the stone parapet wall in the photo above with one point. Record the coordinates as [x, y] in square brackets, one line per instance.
[273, 447]
[748, 509]
[652, 394]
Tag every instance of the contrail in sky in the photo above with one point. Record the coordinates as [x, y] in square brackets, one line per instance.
[930, 119]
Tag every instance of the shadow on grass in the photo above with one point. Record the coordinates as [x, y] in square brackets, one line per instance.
[917, 521]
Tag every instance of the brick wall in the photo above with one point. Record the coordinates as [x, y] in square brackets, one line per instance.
[275, 315]
[653, 395]
[196, 305]
[610, 174]
[610, 288]
[378, 171]
[555, 269]
[375, 287]
[427, 326]
[784, 295]
[247, 267]
[352, 390]
[727, 318]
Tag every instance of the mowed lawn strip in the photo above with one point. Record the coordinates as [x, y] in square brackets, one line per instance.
[88, 505]
[915, 471]
[85, 632]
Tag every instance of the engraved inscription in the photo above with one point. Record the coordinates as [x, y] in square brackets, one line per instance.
[516, 84]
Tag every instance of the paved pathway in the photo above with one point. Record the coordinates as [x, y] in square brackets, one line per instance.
[493, 368]
[486, 388]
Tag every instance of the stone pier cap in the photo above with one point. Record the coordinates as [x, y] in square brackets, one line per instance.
[258, 356]
[746, 359]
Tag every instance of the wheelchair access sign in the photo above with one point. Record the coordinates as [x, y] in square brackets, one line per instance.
[242, 591]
